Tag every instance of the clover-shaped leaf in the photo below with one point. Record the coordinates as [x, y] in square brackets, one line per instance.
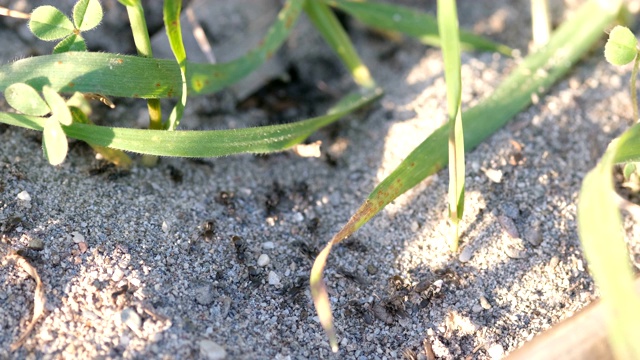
[87, 14]
[26, 99]
[48, 23]
[58, 105]
[54, 141]
[70, 43]
[621, 46]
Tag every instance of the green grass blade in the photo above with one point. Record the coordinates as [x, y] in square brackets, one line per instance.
[201, 143]
[448, 27]
[207, 78]
[414, 23]
[171, 16]
[602, 237]
[327, 23]
[534, 75]
[147, 78]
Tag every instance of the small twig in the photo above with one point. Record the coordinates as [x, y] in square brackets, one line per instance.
[39, 300]
[13, 13]
[200, 36]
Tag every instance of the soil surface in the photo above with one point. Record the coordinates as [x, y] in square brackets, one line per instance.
[211, 258]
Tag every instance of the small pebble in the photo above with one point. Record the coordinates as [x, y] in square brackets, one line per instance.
[415, 226]
[509, 226]
[35, 244]
[496, 351]
[268, 245]
[515, 253]
[117, 275]
[205, 294]
[77, 237]
[24, 196]
[263, 260]
[212, 351]
[554, 262]
[372, 269]
[298, 217]
[494, 175]
[476, 308]
[533, 235]
[274, 279]
[465, 254]
[82, 246]
[165, 227]
[131, 318]
[485, 303]
[510, 209]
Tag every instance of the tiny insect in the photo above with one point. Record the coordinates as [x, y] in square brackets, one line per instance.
[241, 247]
[208, 230]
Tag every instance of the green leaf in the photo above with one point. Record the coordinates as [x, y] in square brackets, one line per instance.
[171, 15]
[58, 106]
[628, 170]
[87, 14]
[448, 28]
[602, 237]
[332, 31]
[566, 46]
[138, 77]
[48, 23]
[209, 143]
[620, 48]
[414, 23]
[54, 141]
[129, 2]
[26, 99]
[70, 43]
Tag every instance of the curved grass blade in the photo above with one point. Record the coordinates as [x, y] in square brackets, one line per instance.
[208, 78]
[210, 143]
[602, 237]
[147, 78]
[534, 75]
[448, 27]
[171, 16]
[326, 22]
[414, 23]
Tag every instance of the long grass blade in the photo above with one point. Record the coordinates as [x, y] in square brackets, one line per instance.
[602, 237]
[326, 22]
[448, 26]
[210, 143]
[133, 76]
[419, 25]
[171, 16]
[533, 76]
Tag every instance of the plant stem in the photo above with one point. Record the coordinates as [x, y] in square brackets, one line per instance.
[540, 22]
[143, 47]
[632, 87]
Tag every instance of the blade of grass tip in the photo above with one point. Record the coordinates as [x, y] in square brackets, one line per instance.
[332, 31]
[602, 237]
[414, 23]
[533, 76]
[210, 143]
[171, 16]
[448, 27]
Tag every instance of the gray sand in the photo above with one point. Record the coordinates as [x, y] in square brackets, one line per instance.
[130, 272]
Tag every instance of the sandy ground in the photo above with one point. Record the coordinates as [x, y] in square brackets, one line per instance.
[206, 259]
